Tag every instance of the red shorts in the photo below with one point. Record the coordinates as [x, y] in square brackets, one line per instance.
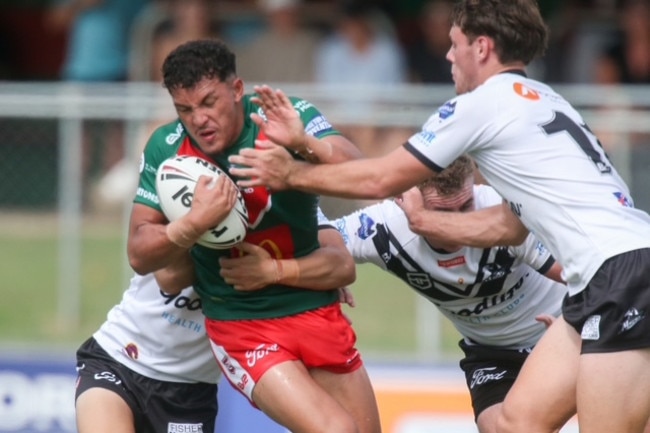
[246, 349]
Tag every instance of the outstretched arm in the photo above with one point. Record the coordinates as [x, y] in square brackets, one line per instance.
[484, 228]
[283, 126]
[370, 178]
[328, 267]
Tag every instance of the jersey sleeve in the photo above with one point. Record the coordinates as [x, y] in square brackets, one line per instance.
[359, 229]
[534, 253]
[315, 122]
[460, 125]
[159, 147]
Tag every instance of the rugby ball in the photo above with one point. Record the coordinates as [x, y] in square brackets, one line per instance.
[175, 181]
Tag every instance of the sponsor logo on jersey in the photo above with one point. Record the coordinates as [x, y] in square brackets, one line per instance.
[147, 195]
[423, 138]
[174, 427]
[540, 248]
[108, 376]
[632, 317]
[131, 350]
[525, 91]
[488, 374]
[591, 328]
[456, 261]
[278, 241]
[173, 137]
[302, 106]
[261, 351]
[447, 110]
[419, 280]
[623, 200]
[318, 124]
[366, 228]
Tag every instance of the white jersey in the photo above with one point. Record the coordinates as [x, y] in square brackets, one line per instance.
[537, 152]
[491, 295]
[159, 336]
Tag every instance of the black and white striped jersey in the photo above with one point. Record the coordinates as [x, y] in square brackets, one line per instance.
[492, 295]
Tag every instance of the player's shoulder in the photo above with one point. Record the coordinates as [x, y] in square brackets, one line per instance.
[168, 134]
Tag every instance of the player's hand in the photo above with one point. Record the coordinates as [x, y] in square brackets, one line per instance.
[546, 319]
[412, 203]
[282, 122]
[268, 164]
[255, 270]
[346, 297]
[213, 200]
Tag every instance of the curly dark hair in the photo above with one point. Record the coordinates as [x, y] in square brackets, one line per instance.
[195, 60]
[452, 179]
[517, 27]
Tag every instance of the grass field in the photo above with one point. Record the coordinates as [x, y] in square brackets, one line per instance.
[384, 318]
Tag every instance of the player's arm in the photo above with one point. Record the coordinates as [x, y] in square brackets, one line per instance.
[177, 275]
[284, 126]
[483, 228]
[328, 267]
[153, 243]
[369, 178]
[555, 273]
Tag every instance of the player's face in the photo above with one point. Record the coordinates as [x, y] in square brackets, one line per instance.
[211, 112]
[462, 201]
[464, 61]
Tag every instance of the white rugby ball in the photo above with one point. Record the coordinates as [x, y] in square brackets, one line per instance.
[175, 182]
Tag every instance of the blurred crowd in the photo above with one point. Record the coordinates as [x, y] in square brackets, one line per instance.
[302, 41]
[326, 41]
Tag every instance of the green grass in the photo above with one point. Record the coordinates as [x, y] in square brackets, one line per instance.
[384, 317]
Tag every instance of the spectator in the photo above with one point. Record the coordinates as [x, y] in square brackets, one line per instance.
[187, 20]
[362, 49]
[627, 59]
[427, 56]
[98, 43]
[97, 51]
[284, 50]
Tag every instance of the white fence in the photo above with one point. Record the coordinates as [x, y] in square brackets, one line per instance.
[621, 115]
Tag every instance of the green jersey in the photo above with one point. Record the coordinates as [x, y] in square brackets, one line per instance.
[284, 223]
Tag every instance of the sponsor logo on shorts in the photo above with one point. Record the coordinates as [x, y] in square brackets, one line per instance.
[483, 375]
[108, 376]
[591, 328]
[261, 351]
[632, 317]
[174, 427]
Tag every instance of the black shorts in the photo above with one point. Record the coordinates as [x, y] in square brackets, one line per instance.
[612, 313]
[490, 373]
[157, 406]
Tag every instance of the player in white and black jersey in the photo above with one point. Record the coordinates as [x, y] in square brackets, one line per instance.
[491, 295]
[154, 359]
[537, 152]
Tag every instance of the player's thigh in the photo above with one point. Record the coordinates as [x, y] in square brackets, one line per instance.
[99, 410]
[613, 391]
[487, 419]
[289, 395]
[542, 399]
[354, 392]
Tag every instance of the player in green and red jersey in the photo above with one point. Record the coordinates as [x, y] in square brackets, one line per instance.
[288, 348]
